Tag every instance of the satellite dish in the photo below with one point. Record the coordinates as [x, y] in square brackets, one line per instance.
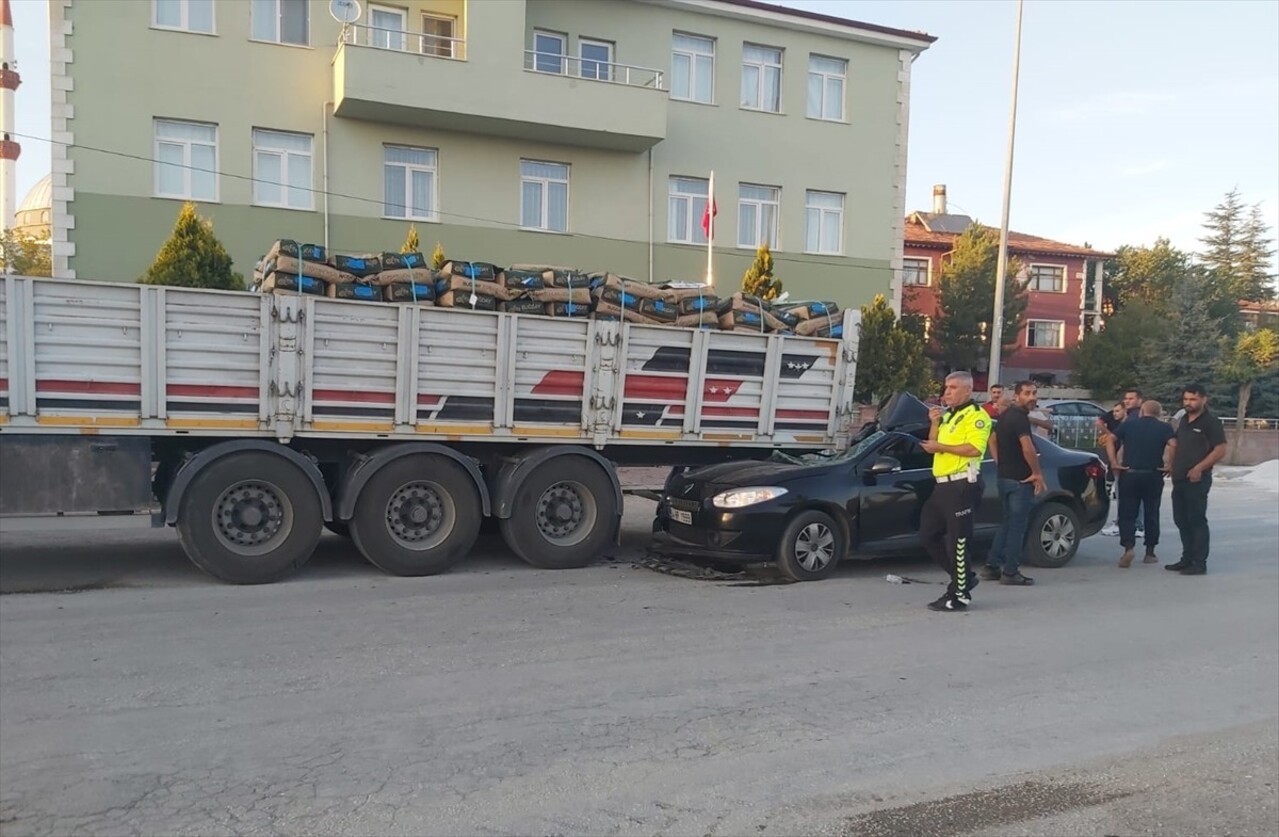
[345, 11]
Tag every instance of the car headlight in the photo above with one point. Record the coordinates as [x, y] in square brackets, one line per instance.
[740, 497]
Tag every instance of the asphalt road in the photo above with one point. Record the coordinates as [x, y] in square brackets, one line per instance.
[500, 699]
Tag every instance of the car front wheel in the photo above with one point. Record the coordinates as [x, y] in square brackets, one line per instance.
[1053, 537]
[811, 547]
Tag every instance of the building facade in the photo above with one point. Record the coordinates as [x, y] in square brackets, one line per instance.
[552, 131]
[1064, 280]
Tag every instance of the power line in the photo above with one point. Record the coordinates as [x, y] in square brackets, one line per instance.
[375, 202]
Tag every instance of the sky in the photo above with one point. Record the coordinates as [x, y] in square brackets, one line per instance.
[1134, 116]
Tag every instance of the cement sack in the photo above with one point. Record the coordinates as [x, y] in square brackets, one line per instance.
[520, 281]
[699, 305]
[631, 286]
[409, 292]
[831, 326]
[706, 319]
[609, 310]
[361, 266]
[578, 296]
[292, 283]
[567, 309]
[810, 310]
[740, 303]
[321, 271]
[354, 290]
[617, 297]
[523, 305]
[403, 261]
[660, 310]
[404, 276]
[461, 300]
[470, 270]
[743, 321]
[680, 291]
[288, 247]
[445, 284]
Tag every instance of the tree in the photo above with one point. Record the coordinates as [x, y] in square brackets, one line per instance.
[1237, 248]
[1253, 356]
[890, 357]
[759, 280]
[1117, 357]
[1187, 348]
[966, 297]
[1143, 274]
[193, 257]
[25, 255]
[437, 256]
[411, 244]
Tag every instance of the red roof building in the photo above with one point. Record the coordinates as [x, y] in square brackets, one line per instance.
[1065, 291]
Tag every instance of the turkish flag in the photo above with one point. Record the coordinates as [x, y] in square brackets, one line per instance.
[711, 211]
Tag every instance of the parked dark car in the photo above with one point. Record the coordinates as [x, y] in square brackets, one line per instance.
[809, 514]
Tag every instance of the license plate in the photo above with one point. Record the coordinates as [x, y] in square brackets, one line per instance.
[681, 516]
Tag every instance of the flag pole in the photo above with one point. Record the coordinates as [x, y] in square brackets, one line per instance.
[710, 232]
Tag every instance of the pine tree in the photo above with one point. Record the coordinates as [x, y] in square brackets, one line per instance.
[1188, 348]
[193, 257]
[1224, 225]
[1238, 249]
[890, 357]
[437, 256]
[966, 298]
[411, 243]
[1256, 255]
[759, 280]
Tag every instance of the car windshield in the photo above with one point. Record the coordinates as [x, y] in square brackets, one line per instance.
[846, 456]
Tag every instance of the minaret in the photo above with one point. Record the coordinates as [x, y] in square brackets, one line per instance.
[9, 148]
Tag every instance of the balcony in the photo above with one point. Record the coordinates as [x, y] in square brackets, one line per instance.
[409, 78]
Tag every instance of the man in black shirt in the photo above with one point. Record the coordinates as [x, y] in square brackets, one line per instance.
[1201, 443]
[1148, 445]
[1019, 481]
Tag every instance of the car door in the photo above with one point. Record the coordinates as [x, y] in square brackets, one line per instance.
[890, 504]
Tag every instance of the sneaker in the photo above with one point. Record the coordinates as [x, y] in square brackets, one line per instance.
[946, 604]
[1125, 560]
[989, 573]
[1111, 531]
[1151, 558]
[1016, 580]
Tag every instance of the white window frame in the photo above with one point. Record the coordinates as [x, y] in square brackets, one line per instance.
[185, 24]
[1061, 333]
[451, 44]
[693, 233]
[562, 37]
[388, 35]
[822, 212]
[545, 183]
[775, 245]
[1032, 280]
[825, 77]
[760, 84]
[928, 272]
[606, 71]
[407, 201]
[692, 57]
[285, 155]
[186, 193]
[279, 10]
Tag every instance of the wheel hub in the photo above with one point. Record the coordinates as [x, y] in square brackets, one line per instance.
[249, 515]
[814, 547]
[560, 511]
[415, 514]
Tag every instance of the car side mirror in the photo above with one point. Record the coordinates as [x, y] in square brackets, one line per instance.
[884, 465]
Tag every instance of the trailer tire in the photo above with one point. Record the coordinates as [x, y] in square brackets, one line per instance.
[250, 518]
[563, 514]
[418, 515]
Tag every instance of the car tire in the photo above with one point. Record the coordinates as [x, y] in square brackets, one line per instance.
[811, 546]
[1053, 537]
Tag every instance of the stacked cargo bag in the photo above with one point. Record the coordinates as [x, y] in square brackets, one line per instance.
[564, 302]
[743, 312]
[810, 309]
[361, 267]
[362, 290]
[290, 267]
[405, 277]
[696, 304]
[831, 325]
[523, 305]
[520, 279]
[660, 310]
[470, 285]
[615, 297]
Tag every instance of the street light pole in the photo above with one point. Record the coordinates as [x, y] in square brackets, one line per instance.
[1001, 269]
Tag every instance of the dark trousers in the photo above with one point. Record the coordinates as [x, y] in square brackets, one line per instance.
[946, 530]
[1190, 512]
[1015, 500]
[1144, 489]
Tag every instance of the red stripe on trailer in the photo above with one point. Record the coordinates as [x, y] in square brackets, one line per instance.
[89, 387]
[428, 400]
[560, 383]
[359, 397]
[209, 391]
[654, 388]
[4, 384]
[719, 389]
[815, 415]
[720, 412]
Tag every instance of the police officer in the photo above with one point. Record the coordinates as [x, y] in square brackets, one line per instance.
[957, 438]
[1148, 445]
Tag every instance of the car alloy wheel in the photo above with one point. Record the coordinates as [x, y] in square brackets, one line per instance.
[1057, 536]
[815, 547]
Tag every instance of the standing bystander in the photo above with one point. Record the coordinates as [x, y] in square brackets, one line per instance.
[1019, 481]
[1201, 443]
[1148, 446]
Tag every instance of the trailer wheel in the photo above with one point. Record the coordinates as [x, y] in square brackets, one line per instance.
[418, 515]
[250, 518]
[562, 515]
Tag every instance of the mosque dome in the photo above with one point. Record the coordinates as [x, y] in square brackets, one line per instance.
[35, 214]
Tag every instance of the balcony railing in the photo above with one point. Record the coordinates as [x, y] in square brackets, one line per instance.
[556, 64]
[399, 40]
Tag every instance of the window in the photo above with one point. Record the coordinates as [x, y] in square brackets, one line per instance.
[281, 21]
[910, 453]
[596, 59]
[826, 77]
[693, 68]
[549, 49]
[282, 169]
[437, 35]
[757, 211]
[187, 15]
[186, 155]
[1047, 277]
[543, 196]
[408, 176]
[386, 27]
[915, 271]
[686, 205]
[1045, 334]
[761, 78]
[825, 216]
